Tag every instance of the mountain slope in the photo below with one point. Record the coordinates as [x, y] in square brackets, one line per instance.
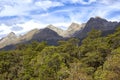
[52, 34]
[74, 28]
[11, 38]
[96, 23]
[28, 36]
[48, 35]
[57, 30]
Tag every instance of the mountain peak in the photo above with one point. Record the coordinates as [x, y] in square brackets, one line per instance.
[73, 28]
[73, 24]
[56, 29]
[97, 23]
[46, 34]
[98, 19]
[9, 39]
[50, 26]
[100, 24]
[11, 35]
[29, 35]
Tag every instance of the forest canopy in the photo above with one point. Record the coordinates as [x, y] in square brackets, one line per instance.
[96, 58]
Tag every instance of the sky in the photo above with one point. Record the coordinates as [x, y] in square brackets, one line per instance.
[20, 16]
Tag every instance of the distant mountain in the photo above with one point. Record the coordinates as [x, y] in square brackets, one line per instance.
[57, 30]
[28, 36]
[46, 34]
[96, 23]
[72, 29]
[11, 38]
[52, 34]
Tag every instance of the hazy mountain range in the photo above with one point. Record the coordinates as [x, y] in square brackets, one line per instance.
[52, 34]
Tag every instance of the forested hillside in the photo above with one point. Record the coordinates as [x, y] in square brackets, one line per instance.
[96, 58]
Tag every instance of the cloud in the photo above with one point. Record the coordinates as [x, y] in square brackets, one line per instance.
[83, 1]
[16, 28]
[5, 29]
[47, 4]
[20, 28]
[2, 35]
[21, 16]
[1, 31]
[29, 25]
[12, 20]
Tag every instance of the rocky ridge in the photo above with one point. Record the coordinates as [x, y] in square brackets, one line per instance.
[53, 34]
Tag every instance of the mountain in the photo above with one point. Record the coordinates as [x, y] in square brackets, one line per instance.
[45, 34]
[96, 23]
[52, 34]
[74, 28]
[28, 36]
[57, 30]
[11, 38]
[48, 35]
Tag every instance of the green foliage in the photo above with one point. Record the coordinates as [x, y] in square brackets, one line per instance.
[114, 39]
[96, 58]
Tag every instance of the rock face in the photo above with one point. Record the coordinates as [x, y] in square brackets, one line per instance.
[52, 34]
[11, 38]
[57, 30]
[28, 36]
[100, 24]
[96, 23]
[46, 34]
[74, 28]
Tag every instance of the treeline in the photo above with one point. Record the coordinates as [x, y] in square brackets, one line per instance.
[97, 58]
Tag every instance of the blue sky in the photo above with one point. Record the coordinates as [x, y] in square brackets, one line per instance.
[20, 16]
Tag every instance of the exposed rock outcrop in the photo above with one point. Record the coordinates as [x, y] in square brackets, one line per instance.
[52, 34]
[11, 38]
[57, 30]
[96, 23]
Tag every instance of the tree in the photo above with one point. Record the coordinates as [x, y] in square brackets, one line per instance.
[114, 39]
[111, 67]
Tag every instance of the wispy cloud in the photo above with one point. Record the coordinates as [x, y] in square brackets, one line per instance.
[16, 28]
[46, 4]
[20, 16]
[83, 1]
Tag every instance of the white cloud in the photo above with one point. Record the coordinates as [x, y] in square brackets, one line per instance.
[108, 2]
[11, 11]
[79, 1]
[33, 24]
[83, 2]
[27, 26]
[63, 15]
[15, 7]
[47, 4]
[62, 25]
[5, 29]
